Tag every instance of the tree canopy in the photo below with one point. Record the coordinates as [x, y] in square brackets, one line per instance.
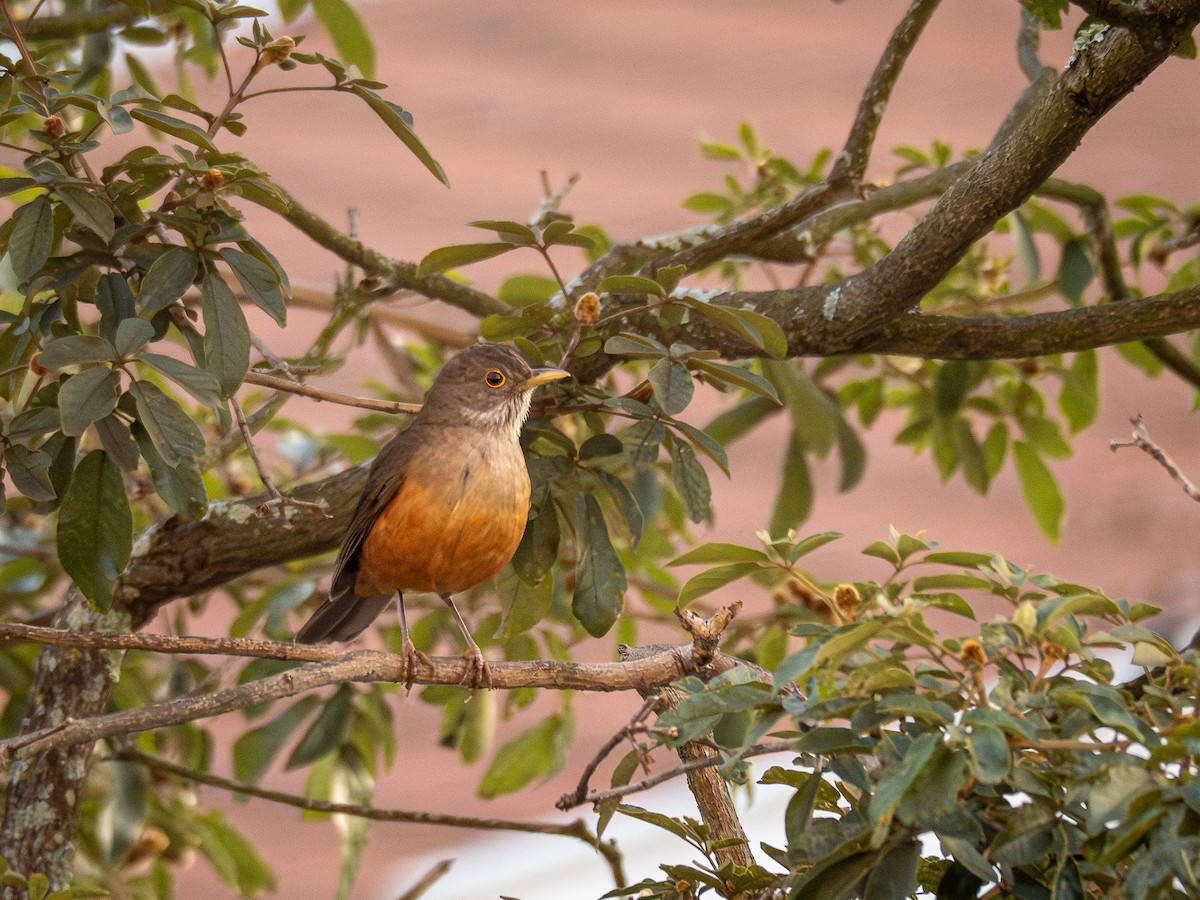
[154, 462]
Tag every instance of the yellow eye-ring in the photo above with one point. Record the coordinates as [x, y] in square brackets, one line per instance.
[494, 378]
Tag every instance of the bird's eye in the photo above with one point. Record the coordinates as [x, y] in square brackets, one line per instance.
[494, 378]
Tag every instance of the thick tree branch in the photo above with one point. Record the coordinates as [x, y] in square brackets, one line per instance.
[1096, 78]
[1040, 334]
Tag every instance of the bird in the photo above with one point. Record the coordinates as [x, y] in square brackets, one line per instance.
[444, 506]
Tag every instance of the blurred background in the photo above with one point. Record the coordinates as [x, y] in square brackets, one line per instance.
[618, 93]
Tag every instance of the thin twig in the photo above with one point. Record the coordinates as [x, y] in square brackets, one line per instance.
[277, 499]
[428, 880]
[304, 390]
[851, 164]
[691, 765]
[575, 829]
[570, 801]
[1141, 440]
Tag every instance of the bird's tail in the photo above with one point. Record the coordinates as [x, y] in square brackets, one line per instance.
[342, 617]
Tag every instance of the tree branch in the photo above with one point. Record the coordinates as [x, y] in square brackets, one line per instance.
[364, 666]
[577, 829]
[851, 164]
[1141, 440]
[392, 274]
[691, 765]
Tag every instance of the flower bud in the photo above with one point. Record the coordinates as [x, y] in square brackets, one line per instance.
[213, 179]
[54, 126]
[972, 653]
[587, 309]
[278, 50]
[846, 598]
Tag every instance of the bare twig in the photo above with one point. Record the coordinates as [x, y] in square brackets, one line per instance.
[691, 765]
[1141, 440]
[570, 801]
[851, 164]
[304, 390]
[276, 499]
[577, 829]
[428, 880]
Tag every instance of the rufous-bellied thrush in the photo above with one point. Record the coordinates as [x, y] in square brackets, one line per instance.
[444, 505]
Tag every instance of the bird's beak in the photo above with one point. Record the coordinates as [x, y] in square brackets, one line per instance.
[543, 376]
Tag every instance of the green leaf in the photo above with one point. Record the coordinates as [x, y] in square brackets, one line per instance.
[350, 36]
[1074, 271]
[87, 396]
[737, 375]
[719, 552]
[894, 877]
[635, 346]
[169, 276]
[707, 582]
[31, 238]
[991, 757]
[691, 481]
[235, 858]
[72, 349]
[29, 471]
[176, 437]
[523, 604]
[794, 501]
[196, 382]
[445, 258]
[600, 581]
[950, 386]
[1079, 399]
[117, 440]
[259, 281]
[177, 128]
[536, 753]
[1040, 490]
[180, 485]
[89, 209]
[1026, 250]
[226, 334]
[400, 122]
[132, 335]
[672, 384]
[513, 232]
[124, 811]
[327, 732]
[526, 290]
[740, 418]
[758, 330]
[254, 750]
[95, 528]
[630, 284]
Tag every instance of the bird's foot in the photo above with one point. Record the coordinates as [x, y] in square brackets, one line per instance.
[476, 673]
[408, 667]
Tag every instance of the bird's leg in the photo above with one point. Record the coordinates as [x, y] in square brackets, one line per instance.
[408, 649]
[476, 672]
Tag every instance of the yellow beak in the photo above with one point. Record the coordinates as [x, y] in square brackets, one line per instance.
[543, 376]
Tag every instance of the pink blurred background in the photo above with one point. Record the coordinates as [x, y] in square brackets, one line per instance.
[619, 92]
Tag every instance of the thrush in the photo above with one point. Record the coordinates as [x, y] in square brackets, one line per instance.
[444, 506]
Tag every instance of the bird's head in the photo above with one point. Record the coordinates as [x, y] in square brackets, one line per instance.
[486, 385]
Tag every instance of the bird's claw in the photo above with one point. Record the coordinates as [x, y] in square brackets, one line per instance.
[410, 656]
[476, 673]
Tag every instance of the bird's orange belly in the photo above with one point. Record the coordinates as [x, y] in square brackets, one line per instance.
[424, 542]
